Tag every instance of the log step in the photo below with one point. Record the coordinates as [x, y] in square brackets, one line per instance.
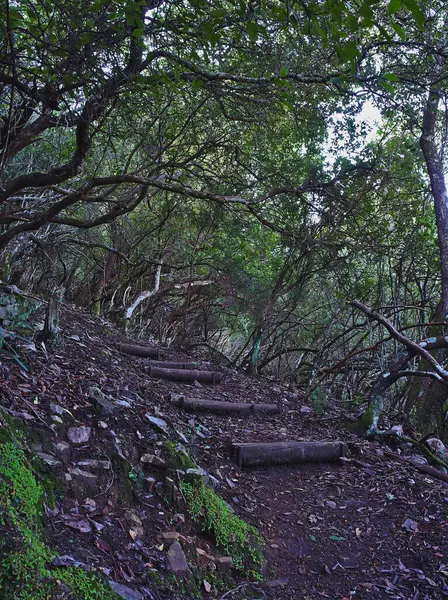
[164, 364]
[185, 375]
[144, 351]
[218, 407]
[275, 453]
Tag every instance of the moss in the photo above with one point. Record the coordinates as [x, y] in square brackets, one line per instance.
[87, 586]
[179, 456]
[239, 539]
[25, 558]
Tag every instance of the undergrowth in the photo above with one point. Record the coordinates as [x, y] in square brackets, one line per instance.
[25, 558]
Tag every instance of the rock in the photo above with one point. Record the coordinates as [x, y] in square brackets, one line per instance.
[305, 410]
[177, 563]
[102, 403]
[62, 449]
[410, 525]
[438, 447]
[93, 463]
[135, 522]
[51, 461]
[68, 561]
[169, 536]
[102, 425]
[224, 563]
[195, 475]
[79, 435]
[86, 475]
[155, 461]
[419, 460]
[123, 403]
[125, 592]
[159, 424]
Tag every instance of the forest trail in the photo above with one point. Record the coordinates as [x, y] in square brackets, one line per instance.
[366, 526]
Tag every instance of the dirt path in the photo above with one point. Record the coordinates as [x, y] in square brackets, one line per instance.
[367, 528]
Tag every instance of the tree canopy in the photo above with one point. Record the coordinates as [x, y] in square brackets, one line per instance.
[202, 171]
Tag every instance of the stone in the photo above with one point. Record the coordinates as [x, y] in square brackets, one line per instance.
[438, 447]
[179, 518]
[159, 424]
[224, 564]
[136, 523]
[177, 563]
[62, 449]
[51, 461]
[93, 463]
[418, 460]
[155, 461]
[305, 410]
[169, 536]
[125, 592]
[198, 474]
[79, 435]
[102, 425]
[123, 403]
[80, 473]
[103, 405]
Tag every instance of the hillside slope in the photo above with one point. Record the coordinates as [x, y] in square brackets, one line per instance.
[368, 526]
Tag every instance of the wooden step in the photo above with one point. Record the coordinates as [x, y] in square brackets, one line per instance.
[275, 453]
[219, 407]
[144, 351]
[165, 364]
[185, 375]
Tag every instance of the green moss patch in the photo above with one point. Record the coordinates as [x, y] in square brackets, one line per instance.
[237, 538]
[24, 557]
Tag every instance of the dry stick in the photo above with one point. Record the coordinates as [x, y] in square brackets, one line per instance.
[426, 469]
[412, 346]
[354, 353]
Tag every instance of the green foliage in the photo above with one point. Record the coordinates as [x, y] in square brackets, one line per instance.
[240, 540]
[24, 571]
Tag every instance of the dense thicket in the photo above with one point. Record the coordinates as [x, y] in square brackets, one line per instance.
[202, 171]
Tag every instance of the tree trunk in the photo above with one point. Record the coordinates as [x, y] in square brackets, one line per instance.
[434, 163]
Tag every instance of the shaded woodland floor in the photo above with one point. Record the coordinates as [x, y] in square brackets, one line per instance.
[367, 527]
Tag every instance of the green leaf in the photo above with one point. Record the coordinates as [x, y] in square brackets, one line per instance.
[419, 17]
[399, 30]
[391, 77]
[387, 86]
[252, 30]
[348, 51]
[394, 6]
[337, 538]
[138, 33]
[284, 72]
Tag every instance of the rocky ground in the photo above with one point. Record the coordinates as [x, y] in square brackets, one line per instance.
[368, 526]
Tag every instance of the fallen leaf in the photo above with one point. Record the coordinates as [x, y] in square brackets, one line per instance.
[83, 526]
[207, 586]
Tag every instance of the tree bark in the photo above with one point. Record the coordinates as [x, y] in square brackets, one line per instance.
[434, 163]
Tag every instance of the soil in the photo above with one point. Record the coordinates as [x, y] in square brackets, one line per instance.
[366, 527]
